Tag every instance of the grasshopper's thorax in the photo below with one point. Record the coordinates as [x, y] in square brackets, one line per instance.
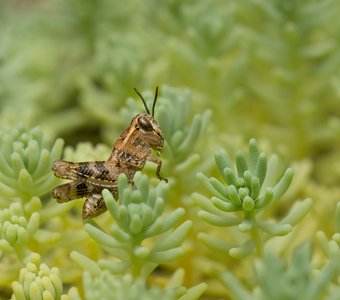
[142, 135]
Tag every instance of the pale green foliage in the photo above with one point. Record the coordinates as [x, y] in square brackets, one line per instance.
[248, 60]
[250, 186]
[38, 281]
[26, 158]
[334, 292]
[181, 135]
[331, 248]
[266, 69]
[294, 280]
[85, 151]
[138, 217]
[16, 228]
[117, 287]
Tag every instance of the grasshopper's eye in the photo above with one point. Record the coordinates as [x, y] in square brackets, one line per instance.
[145, 124]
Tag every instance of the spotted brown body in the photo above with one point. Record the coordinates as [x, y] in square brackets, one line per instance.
[129, 155]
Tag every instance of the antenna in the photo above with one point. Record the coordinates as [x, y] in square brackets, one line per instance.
[146, 107]
[154, 102]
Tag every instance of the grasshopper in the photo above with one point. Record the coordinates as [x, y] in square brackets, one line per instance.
[129, 155]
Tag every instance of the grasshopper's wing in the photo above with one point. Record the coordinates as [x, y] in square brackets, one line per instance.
[102, 174]
[72, 190]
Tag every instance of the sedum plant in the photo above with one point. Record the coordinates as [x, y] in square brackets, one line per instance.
[108, 286]
[294, 280]
[138, 218]
[268, 69]
[331, 251]
[241, 198]
[331, 248]
[140, 240]
[16, 229]
[38, 281]
[25, 161]
[87, 152]
[116, 287]
[181, 134]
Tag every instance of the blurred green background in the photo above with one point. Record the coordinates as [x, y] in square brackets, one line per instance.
[267, 69]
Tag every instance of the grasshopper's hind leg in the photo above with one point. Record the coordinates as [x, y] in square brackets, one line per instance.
[93, 206]
[72, 190]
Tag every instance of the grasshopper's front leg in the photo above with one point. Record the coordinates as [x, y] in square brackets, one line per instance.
[159, 165]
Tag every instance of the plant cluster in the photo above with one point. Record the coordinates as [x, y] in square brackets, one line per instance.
[233, 222]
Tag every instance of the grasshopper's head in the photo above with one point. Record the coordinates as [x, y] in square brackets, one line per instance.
[149, 131]
[147, 126]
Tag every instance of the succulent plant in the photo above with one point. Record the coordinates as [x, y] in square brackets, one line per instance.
[227, 72]
[38, 281]
[26, 158]
[109, 286]
[249, 188]
[293, 280]
[16, 229]
[138, 218]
